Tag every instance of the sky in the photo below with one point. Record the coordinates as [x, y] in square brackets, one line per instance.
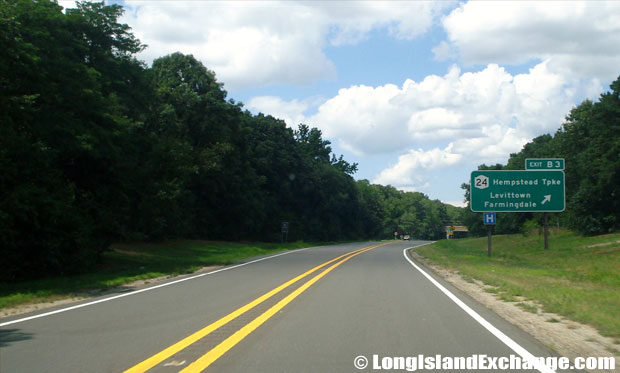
[417, 93]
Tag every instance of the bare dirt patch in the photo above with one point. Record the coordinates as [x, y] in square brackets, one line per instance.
[60, 300]
[600, 244]
[568, 338]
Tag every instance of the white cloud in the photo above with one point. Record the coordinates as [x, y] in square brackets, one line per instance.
[67, 4]
[289, 111]
[467, 117]
[469, 109]
[579, 38]
[246, 44]
[351, 21]
[411, 170]
[493, 146]
[444, 51]
[364, 119]
[256, 43]
[456, 203]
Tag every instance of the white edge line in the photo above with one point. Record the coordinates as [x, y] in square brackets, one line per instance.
[525, 354]
[145, 289]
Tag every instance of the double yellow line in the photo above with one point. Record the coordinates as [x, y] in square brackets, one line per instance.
[212, 355]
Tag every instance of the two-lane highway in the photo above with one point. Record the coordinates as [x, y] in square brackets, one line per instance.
[309, 310]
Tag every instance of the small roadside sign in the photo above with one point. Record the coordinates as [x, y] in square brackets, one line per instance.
[449, 232]
[533, 164]
[284, 231]
[489, 218]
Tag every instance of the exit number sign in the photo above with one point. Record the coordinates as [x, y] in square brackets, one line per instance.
[534, 164]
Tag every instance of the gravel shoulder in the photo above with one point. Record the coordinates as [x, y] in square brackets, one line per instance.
[568, 338]
[94, 293]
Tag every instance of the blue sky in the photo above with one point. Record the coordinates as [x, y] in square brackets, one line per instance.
[377, 60]
[418, 93]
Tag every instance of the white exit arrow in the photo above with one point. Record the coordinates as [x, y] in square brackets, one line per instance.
[547, 199]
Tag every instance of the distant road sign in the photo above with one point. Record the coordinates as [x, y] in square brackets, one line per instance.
[489, 218]
[534, 164]
[517, 191]
[284, 227]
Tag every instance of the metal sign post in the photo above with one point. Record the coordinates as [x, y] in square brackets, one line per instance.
[489, 240]
[546, 230]
[536, 164]
[284, 231]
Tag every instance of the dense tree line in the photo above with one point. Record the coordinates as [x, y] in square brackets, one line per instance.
[98, 148]
[589, 141]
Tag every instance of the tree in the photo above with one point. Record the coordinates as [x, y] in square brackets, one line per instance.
[67, 134]
[589, 142]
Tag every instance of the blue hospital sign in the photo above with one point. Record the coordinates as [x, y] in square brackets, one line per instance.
[489, 218]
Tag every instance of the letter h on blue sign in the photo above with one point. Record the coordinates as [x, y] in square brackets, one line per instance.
[489, 218]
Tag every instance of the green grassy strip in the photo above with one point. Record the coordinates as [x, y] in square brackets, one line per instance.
[579, 277]
[126, 263]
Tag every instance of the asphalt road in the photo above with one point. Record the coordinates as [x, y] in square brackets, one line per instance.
[370, 303]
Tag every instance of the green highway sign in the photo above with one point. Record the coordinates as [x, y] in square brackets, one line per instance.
[544, 164]
[517, 191]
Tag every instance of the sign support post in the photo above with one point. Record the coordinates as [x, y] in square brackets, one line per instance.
[490, 234]
[284, 231]
[546, 230]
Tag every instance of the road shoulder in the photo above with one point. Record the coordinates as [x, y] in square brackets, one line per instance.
[568, 338]
[96, 293]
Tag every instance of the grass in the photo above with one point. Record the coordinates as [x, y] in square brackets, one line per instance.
[578, 277]
[508, 297]
[613, 350]
[528, 307]
[125, 263]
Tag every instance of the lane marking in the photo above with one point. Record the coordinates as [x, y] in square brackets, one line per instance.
[147, 289]
[525, 354]
[191, 339]
[211, 356]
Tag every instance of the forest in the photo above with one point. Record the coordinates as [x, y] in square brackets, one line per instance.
[98, 148]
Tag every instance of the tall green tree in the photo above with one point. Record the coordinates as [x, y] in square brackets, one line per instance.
[590, 142]
[68, 133]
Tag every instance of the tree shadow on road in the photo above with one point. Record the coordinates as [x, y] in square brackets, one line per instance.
[12, 335]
